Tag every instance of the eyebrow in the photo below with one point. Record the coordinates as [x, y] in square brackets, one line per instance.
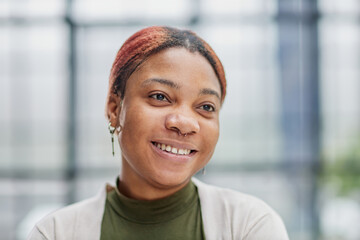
[204, 91]
[161, 81]
[209, 91]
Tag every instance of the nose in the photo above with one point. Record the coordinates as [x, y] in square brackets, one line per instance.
[182, 124]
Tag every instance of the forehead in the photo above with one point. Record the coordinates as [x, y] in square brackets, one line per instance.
[179, 65]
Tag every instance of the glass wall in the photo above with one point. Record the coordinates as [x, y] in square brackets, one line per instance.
[339, 43]
[289, 125]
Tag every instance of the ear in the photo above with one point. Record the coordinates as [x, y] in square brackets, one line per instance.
[113, 107]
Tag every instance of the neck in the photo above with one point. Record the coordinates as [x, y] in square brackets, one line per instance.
[135, 186]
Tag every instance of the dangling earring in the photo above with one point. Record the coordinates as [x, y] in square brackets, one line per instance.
[112, 130]
[203, 171]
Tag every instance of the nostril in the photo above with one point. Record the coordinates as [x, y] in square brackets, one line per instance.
[174, 129]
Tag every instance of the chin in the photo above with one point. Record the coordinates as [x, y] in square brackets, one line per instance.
[171, 180]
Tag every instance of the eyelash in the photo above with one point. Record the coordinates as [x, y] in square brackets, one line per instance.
[210, 106]
[164, 98]
[155, 95]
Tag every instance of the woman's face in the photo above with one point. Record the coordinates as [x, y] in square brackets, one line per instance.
[169, 118]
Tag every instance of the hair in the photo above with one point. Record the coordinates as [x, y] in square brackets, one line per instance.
[151, 40]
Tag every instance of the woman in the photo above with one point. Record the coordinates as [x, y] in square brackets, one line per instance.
[166, 89]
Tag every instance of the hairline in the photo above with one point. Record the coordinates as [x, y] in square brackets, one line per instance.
[160, 49]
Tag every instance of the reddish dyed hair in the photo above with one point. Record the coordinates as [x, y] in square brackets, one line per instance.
[151, 40]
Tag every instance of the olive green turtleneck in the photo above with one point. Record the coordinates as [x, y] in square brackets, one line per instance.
[175, 217]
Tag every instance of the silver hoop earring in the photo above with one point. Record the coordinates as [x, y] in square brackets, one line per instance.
[119, 129]
[181, 134]
[112, 130]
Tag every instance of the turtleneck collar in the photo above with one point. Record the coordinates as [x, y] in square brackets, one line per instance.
[155, 211]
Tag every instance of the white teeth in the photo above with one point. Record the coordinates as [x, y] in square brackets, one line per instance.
[171, 149]
[168, 148]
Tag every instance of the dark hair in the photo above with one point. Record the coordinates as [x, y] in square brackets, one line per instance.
[151, 40]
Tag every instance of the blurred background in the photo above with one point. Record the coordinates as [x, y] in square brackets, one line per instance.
[290, 125]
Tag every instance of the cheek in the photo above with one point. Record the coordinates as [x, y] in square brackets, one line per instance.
[138, 122]
[210, 135]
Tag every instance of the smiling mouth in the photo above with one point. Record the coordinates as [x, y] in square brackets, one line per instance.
[173, 150]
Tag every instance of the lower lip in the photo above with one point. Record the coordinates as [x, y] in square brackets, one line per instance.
[172, 156]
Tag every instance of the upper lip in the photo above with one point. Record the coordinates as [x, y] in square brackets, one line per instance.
[176, 144]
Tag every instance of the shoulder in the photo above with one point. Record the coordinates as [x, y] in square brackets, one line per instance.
[71, 221]
[231, 198]
[245, 216]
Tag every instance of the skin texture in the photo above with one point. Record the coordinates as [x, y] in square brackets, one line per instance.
[173, 93]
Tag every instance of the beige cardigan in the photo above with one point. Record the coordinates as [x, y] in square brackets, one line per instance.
[226, 214]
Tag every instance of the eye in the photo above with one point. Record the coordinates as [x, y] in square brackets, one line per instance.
[159, 97]
[208, 108]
